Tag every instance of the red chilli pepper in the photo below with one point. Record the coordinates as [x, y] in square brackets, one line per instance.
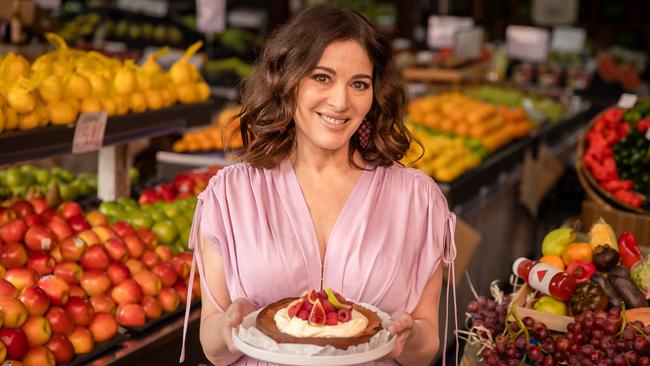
[629, 249]
[581, 271]
[613, 115]
[643, 125]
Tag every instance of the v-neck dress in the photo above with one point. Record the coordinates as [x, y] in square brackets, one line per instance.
[390, 236]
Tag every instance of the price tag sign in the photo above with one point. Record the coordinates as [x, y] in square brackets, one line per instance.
[468, 43]
[211, 16]
[527, 43]
[568, 39]
[442, 29]
[89, 132]
[627, 100]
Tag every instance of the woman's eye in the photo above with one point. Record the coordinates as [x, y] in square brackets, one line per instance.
[360, 85]
[321, 78]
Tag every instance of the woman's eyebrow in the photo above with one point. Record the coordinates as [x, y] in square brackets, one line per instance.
[331, 71]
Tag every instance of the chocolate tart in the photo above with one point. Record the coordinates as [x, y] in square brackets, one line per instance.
[266, 324]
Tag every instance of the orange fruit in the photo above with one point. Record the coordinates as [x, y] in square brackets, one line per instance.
[577, 252]
[553, 260]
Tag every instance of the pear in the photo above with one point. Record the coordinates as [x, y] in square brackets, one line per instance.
[557, 240]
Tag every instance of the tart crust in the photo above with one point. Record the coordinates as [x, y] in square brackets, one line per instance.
[266, 324]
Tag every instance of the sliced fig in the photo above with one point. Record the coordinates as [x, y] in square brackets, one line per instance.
[312, 296]
[322, 294]
[317, 315]
[337, 300]
[329, 308]
[344, 315]
[295, 307]
[303, 314]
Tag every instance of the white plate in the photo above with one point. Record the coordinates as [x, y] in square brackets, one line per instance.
[288, 359]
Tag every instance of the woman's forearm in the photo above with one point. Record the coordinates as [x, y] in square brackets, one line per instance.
[421, 346]
[214, 346]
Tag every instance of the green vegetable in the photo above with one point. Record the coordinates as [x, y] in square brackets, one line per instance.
[640, 274]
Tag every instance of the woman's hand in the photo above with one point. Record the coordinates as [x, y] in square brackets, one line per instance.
[233, 316]
[401, 325]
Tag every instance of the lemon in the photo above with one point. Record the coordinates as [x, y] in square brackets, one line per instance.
[2, 101]
[14, 66]
[20, 99]
[187, 93]
[11, 119]
[98, 84]
[79, 86]
[137, 103]
[28, 121]
[43, 116]
[169, 96]
[2, 120]
[62, 112]
[109, 105]
[121, 104]
[90, 104]
[144, 83]
[154, 99]
[203, 91]
[181, 72]
[125, 81]
[74, 103]
[51, 89]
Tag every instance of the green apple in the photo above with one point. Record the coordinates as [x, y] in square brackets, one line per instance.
[110, 208]
[170, 209]
[166, 231]
[42, 176]
[181, 222]
[14, 177]
[139, 219]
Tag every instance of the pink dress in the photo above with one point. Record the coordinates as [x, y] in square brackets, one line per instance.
[390, 236]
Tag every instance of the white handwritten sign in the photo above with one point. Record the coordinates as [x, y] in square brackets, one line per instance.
[627, 100]
[89, 132]
[527, 43]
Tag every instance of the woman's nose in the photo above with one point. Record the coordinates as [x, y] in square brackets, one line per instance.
[338, 98]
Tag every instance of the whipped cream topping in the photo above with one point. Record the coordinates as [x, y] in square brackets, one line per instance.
[301, 328]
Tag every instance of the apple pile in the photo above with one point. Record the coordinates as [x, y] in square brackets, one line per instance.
[69, 278]
[184, 185]
[324, 307]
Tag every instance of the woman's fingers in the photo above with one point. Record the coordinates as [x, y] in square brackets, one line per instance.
[234, 316]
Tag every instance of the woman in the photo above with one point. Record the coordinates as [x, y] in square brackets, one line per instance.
[319, 199]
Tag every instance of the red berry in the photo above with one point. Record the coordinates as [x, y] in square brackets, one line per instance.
[303, 314]
[344, 315]
[332, 319]
[322, 294]
[328, 307]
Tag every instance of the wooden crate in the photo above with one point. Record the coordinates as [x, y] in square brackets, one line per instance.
[554, 322]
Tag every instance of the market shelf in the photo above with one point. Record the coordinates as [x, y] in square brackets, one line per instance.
[39, 143]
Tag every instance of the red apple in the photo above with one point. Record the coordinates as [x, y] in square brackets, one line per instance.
[167, 275]
[39, 237]
[135, 246]
[130, 315]
[149, 282]
[3, 351]
[151, 306]
[14, 312]
[61, 348]
[13, 230]
[39, 356]
[33, 219]
[70, 272]
[56, 253]
[82, 340]
[103, 303]
[164, 252]
[181, 267]
[16, 342]
[35, 300]
[23, 208]
[150, 259]
[118, 272]
[123, 228]
[148, 195]
[39, 204]
[196, 288]
[48, 213]
[41, 262]
[21, 277]
[7, 289]
[135, 266]
[78, 223]
[103, 327]
[60, 321]
[168, 299]
[127, 291]
[60, 227]
[104, 233]
[72, 248]
[68, 209]
[148, 237]
[95, 282]
[96, 218]
[6, 215]
[13, 255]
[80, 310]
[56, 288]
[116, 249]
[96, 258]
[181, 290]
[2, 269]
[89, 237]
[77, 291]
[37, 329]
[186, 256]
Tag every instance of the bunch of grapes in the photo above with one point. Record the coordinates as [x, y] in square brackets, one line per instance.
[489, 314]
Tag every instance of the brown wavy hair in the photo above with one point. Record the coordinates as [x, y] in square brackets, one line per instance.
[269, 95]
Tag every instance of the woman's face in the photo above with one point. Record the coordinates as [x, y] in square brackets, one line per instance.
[333, 100]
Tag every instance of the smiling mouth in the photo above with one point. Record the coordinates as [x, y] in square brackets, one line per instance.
[331, 120]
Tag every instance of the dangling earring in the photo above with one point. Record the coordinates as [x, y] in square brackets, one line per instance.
[363, 133]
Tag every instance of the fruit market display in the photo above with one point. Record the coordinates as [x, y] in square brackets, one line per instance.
[596, 278]
[550, 108]
[464, 116]
[69, 278]
[60, 84]
[55, 184]
[617, 153]
[221, 134]
[445, 157]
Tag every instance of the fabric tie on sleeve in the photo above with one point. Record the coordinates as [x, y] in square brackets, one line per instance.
[448, 256]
